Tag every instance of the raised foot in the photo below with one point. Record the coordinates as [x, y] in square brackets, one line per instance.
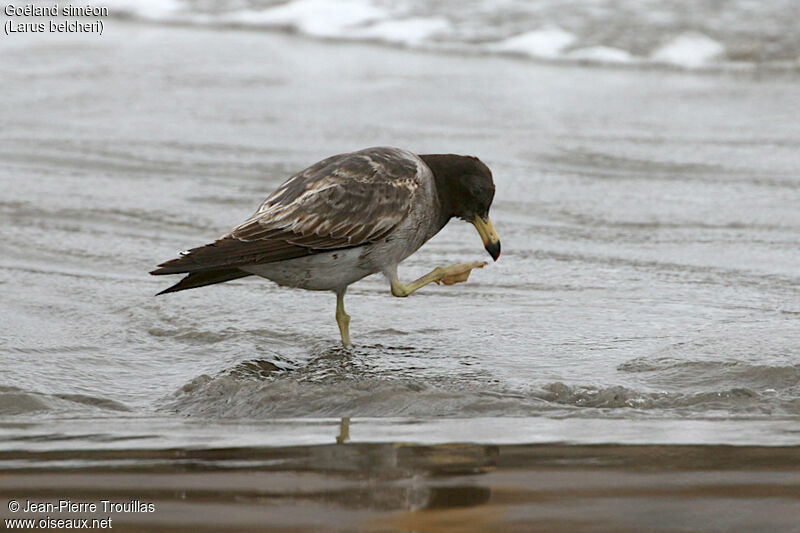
[452, 274]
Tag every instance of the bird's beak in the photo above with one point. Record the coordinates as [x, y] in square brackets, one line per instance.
[489, 236]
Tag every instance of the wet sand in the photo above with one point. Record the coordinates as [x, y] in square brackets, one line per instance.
[396, 487]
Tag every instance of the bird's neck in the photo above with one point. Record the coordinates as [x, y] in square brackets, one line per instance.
[438, 165]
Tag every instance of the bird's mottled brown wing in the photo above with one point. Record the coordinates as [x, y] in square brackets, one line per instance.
[341, 202]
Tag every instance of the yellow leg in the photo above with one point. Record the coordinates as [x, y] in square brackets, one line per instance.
[343, 319]
[448, 275]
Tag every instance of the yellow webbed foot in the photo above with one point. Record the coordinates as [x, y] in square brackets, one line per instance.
[450, 275]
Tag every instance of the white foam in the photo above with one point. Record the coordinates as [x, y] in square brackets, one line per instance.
[410, 31]
[318, 18]
[602, 54]
[547, 43]
[378, 20]
[689, 49]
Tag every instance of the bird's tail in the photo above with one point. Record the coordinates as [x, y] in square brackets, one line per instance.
[203, 278]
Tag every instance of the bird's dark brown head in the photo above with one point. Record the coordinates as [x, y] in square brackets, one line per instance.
[466, 191]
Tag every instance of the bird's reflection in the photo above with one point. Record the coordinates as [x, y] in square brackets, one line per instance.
[344, 430]
[403, 464]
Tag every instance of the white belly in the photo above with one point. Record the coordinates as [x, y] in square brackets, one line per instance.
[328, 271]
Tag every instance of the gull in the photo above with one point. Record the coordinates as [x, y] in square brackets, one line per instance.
[346, 217]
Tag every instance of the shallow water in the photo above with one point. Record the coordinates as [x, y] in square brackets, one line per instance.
[648, 286]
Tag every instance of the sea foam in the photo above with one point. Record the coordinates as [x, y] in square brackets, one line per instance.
[411, 31]
[690, 50]
[545, 43]
[316, 18]
[545, 31]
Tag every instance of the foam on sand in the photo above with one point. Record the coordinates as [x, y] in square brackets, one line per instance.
[410, 31]
[317, 18]
[540, 30]
[546, 43]
[689, 50]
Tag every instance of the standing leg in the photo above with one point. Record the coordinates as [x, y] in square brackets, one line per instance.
[342, 318]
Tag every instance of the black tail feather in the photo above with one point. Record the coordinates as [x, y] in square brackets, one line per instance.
[208, 277]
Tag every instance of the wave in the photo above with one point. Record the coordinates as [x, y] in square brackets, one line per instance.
[701, 34]
[266, 389]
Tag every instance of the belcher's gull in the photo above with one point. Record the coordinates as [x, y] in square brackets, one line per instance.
[346, 217]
